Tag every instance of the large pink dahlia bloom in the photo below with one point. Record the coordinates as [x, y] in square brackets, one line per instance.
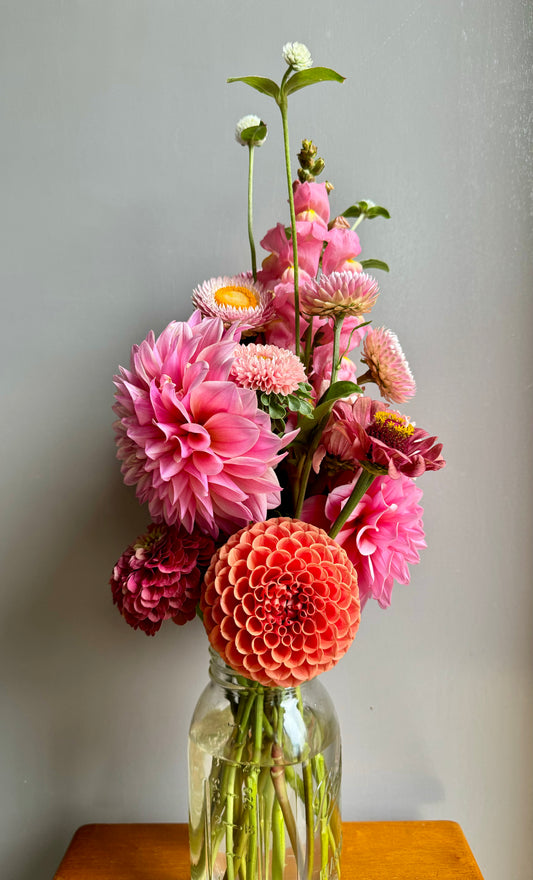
[158, 577]
[195, 445]
[382, 536]
[280, 602]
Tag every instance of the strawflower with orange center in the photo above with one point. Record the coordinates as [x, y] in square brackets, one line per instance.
[236, 300]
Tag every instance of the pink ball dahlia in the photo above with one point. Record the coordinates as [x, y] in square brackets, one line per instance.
[158, 577]
[195, 445]
[267, 368]
[387, 365]
[381, 537]
[280, 602]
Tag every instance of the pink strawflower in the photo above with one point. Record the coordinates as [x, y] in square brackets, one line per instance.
[236, 300]
[311, 202]
[387, 365]
[267, 368]
[341, 293]
[280, 603]
[342, 249]
[195, 445]
[158, 577]
[367, 432]
[382, 536]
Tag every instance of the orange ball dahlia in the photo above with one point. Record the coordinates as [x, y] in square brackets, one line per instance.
[280, 602]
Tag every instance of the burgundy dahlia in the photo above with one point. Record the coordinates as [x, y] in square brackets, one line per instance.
[158, 577]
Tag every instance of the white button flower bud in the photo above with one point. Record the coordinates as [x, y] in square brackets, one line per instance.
[248, 122]
[297, 56]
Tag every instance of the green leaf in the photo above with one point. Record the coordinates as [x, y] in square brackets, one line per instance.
[310, 76]
[254, 133]
[275, 410]
[377, 211]
[368, 209]
[343, 388]
[260, 83]
[375, 264]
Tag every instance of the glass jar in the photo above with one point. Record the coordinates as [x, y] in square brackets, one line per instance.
[264, 781]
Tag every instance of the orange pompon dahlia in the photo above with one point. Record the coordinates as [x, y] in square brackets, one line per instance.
[280, 602]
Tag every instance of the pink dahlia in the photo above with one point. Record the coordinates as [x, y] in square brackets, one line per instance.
[387, 366]
[236, 300]
[382, 536]
[341, 293]
[267, 368]
[158, 577]
[195, 445]
[369, 433]
[281, 603]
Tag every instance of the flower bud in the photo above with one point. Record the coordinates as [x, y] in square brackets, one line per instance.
[297, 56]
[249, 122]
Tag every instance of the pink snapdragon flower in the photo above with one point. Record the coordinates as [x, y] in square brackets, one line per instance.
[382, 536]
[383, 441]
[158, 577]
[279, 265]
[311, 202]
[341, 250]
[195, 445]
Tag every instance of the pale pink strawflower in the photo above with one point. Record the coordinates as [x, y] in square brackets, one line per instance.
[387, 365]
[236, 300]
[158, 577]
[339, 294]
[382, 536]
[280, 603]
[267, 368]
[197, 448]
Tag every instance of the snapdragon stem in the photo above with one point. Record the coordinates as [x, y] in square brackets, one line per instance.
[250, 208]
[357, 222]
[363, 484]
[283, 108]
[337, 328]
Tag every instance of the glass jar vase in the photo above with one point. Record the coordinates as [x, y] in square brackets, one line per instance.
[264, 781]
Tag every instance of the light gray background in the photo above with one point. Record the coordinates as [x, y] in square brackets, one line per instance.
[122, 188]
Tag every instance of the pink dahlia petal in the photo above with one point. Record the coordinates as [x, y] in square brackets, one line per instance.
[382, 536]
[267, 368]
[280, 602]
[176, 438]
[387, 365]
[158, 577]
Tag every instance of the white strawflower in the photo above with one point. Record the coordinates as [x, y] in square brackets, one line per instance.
[297, 56]
[248, 122]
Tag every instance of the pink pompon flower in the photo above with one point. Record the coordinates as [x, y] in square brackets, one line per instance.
[267, 368]
[158, 577]
[195, 445]
[382, 536]
[341, 293]
[236, 300]
[280, 603]
[387, 365]
[342, 249]
[311, 202]
[367, 432]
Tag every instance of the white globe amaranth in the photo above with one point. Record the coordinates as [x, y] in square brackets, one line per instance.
[248, 122]
[297, 56]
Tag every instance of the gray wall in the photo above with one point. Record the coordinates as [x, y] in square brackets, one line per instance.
[122, 188]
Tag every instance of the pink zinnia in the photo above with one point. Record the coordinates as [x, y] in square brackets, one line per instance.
[195, 445]
[367, 432]
[158, 577]
[382, 536]
[387, 365]
[267, 368]
[281, 603]
[341, 293]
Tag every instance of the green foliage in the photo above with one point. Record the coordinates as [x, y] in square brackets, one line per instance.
[311, 76]
[368, 209]
[260, 83]
[374, 264]
[254, 133]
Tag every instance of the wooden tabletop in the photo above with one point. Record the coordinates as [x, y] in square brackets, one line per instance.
[371, 851]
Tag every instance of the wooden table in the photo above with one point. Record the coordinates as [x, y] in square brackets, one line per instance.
[371, 851]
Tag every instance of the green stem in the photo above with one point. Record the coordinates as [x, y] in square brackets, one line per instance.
[251, 786]
[250, 208]
[363, 483]
[284, 118]
[307, 774]
[337, 327]
[319, 767]
[278, 842]
[229, 793]
[358, 221]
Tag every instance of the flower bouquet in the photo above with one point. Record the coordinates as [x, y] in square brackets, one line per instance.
[282, 498]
